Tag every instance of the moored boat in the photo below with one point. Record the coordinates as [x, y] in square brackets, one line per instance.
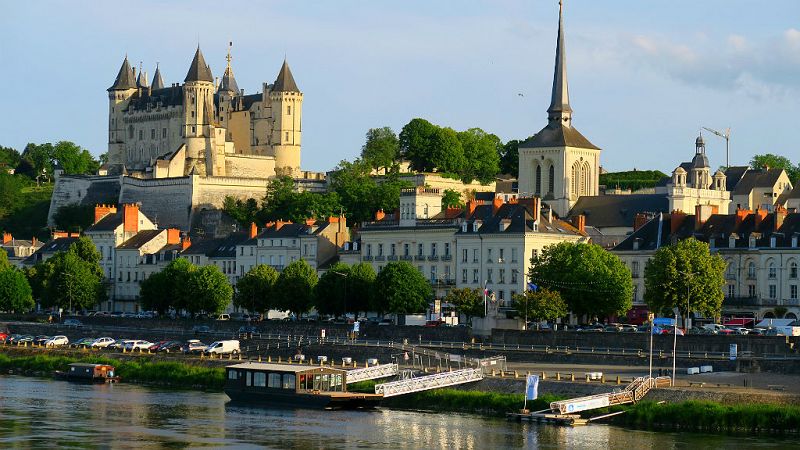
[88, 373]
[294, 385]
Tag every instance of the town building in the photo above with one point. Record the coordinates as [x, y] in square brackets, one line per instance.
[18, 250]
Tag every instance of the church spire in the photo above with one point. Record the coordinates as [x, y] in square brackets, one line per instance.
[158, 83]
[228, 81]
[559, 110]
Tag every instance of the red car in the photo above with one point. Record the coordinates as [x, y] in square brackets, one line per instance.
[3, 336]
[157, 345]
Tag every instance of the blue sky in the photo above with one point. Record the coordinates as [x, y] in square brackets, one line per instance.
[644, 75]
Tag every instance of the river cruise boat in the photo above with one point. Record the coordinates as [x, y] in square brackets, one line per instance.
[294, 385]
[88, 373]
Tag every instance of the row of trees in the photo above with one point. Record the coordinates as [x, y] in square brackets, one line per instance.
[182, 286]
[39, 160]
[15, 291]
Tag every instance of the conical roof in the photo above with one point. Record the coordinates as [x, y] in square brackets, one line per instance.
[199, 70]
[125, 79]
[559, 102]
[285, 81]
[158, 83]
[142, 80]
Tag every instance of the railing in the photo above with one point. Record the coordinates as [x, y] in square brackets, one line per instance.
[392, 258]
[380, 258]
[425, 383]
[371, 373]
[433, 258]
[406, 258]
[419, 257]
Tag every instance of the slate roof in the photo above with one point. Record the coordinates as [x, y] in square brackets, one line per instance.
[139, 239]
[226, 248]
[558, 135]
[285, 81]
[757, 178]
[199, 70]
[157, 83]
[54, 246]
[229, 82]
[733, 175]
[603, 211]
[124, 78]
[519, 219]
[108, 223]
[170, 96]
[249, 100]
[795, 192]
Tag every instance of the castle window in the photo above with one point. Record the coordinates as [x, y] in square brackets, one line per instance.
[551, 179]
[130, 131]
[163, 132]
[289, 110]
[193, 129]
[538, 180]
[193, 114]
[152, 133]
[141, 134]
[287, 136]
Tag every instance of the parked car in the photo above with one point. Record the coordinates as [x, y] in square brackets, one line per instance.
[57, 341]
[771, 331]
[40, 340]
[201, 329]
[758, 332]
[433, 323]
[102, 342]
[726, 331]
[386, 322]
[73, 323]
[157, 345]
[25, 339]
[248, 329]
[194, 346]
[741, 330]
[83, 342]
[171, 347]
[3, 336]
[595, 327]
[223, 347]
[137, 344]
[612, 328]
[628, 328]
[224, 317]
[119, 344]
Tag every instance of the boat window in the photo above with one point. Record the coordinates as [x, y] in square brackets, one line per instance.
[111, 374]
[232, 375]
[336, 382]
[259, 379]
[288, 381]
[274, 380]
[249, 381]
[303, 381]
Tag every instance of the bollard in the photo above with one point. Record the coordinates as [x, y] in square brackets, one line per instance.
[587, 377]
[558, 376]
[123, 349]
[230, 357]
[516, 375]
[201, 356]
[269, 358]
[279, 358]
[544, 376]
[493, 373]
[572, 376]
[259, 358]
[619, 381]
[527, 373]
[603, 378]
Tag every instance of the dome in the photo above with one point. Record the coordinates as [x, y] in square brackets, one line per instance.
[699, 142]
[679, 170]
[700, 161]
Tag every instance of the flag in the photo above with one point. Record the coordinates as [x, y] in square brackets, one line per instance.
[533, 287]
[532, 387]
[485, 291]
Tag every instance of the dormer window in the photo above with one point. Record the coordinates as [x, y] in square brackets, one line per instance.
[752, 242]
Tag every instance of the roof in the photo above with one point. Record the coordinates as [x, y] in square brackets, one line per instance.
[139, 239]
[249, 100]
[228, 81]
[757, 178]
[199, 70]
[108, 223]
[559, 101]
[558, 135]
[54, 246]
[517, 218]
[795, 192]
[603, 211]
[124, 78]
[285, 81]
[280, 367]
[170, 96]
[158, 83]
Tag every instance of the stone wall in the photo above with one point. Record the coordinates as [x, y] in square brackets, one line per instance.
[84, 190]
[249, 166]
[166, 201]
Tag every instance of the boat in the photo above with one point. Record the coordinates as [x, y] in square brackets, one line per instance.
[88, 373]
[294, 385]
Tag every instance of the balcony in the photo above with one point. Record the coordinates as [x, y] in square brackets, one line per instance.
[392, 258]
[367, 257]
[380, 258]
[635, 275]
[433, 258]
[406, 258]
[420, 258]
[447, 258]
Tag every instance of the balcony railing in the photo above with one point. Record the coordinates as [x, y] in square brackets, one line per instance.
[447, 258]
[392, 257]
[406, 258]
[380, 258]
[367, 257]
[420, 257]
[433, 258]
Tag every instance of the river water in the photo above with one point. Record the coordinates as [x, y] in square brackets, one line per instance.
[43, 413]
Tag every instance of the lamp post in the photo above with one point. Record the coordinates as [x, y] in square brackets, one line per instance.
[345, 276]
[674, 344]
[686, 323]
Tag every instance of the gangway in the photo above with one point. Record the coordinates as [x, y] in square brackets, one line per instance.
[632, 393]
[371, 373]
[428, 382]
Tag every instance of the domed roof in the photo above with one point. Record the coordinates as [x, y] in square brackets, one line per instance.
[699, 141]
[679, 170]
[700, 161]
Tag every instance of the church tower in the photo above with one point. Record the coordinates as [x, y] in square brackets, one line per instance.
[198, 104]
[558, 163]
[119, 95]
[286, 102]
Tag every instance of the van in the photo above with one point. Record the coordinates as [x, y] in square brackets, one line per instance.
[223, 347]
[224, 317]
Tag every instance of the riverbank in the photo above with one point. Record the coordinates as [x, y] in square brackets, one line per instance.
[705, 416]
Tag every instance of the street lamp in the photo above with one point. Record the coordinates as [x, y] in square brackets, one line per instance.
[345, 276]
[686, 323]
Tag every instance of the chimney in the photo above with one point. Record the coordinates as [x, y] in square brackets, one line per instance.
[74, 235]
[342, 233]
[101, 211]
[173, 236]
[379, 215]
[780, 216]
[701, 215]
[640, 220]
[253, 230]
[279, 224]
[309, 222]
[60, 234]
[130, 218]
[7, 238]
[760, 215]
[471, 205]
[34, 241]
[579, 222]
[676, 220]
[742, 214]
[186, 243]
[536, 210]
[496, 204]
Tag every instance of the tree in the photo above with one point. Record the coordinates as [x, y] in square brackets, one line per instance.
[168, 288]
[445, 152]
[509, 158]
[360, 287]
[776, 162]
[330, 294]
[360, 194]
[467, 301]
[294, 290]
[382, 148]
[415, 142]
[481, 155]
[451, 199]
[15, 292]
[74, 217]
[256, 289]
[9, 158]
[74, 159]
[155, 294]
[282, 202]
[542, 304]
[243, 211]
[39, 159]
[688, 264]
[401, 289]
[591, 280]
[73, 283]
[4, 264]
[208, 290]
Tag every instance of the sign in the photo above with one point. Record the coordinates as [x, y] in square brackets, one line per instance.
[356, 326]
[437, 306]
[733, 351]
[322, 333]
[664, 322]
[586, 404]
[532, 387]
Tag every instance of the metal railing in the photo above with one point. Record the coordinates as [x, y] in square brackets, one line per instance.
[428, 382]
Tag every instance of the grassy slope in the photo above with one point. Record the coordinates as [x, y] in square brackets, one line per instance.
[29, 217]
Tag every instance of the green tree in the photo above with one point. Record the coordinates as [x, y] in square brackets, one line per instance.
[256, 289]
[415, 142]
[155, 294]
[330, 294]
[401, 289]
[9, 158]
[451, 199]
[243, 211]
[445, 152]
[74, 217]
[467, 301]
[688, 264]
[509, 158]
[382, 148]
[4, 264]
[294, 290]
[168, 288]
[360, 287]
[776, 162]
[543, 304]
[74, 159]
[481, 155]
[360, 194]
[10, 193]
[39, 159]
[593, 281]
[209, 290]
[73, 283]
[15, 292]
[283, 202]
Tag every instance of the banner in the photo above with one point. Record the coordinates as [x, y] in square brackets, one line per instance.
[532, 387]
[356, 326]
[734, 350]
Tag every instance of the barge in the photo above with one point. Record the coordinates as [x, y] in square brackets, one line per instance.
[88, 373]
[294, 385]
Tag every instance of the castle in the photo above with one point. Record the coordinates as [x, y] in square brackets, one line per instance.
[183, 148]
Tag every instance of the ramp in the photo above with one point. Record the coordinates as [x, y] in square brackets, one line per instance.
[371, 373]
[428, 382]
[632, 393]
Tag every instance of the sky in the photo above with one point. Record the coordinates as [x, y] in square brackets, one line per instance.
[644, 76]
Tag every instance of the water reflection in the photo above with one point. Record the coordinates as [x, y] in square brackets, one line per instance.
[46, 413]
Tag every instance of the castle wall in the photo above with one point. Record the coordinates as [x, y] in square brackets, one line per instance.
[210, 192]
[150, 134]
[250, 166]
[82, 190]
[166, 200]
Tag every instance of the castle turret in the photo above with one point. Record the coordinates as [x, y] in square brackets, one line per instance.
[286, 102]
[157, 83]
[228, 89]
[198, 104]
[119, 95]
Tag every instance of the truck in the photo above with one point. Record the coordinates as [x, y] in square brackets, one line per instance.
[223, 347]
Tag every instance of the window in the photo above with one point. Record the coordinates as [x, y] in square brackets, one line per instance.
[474, 275]
[163, 132]
[514, 274]
[249, 380]
[289, 110]
[420, 250]
[289, 381]
[793, 292]
[772, 271]
[513, 254]
[751, 270]
[489, 255]
[287, 136]
[380, 249]
[433, 273]
[274, 380]
[141, 134]
[635, 292]
[502, 276]
[475, 255]
[369, 249]
[463, 275]
[751, 290]
[393, 250]
[259, 379]
[773, 291]
[130, 131]
[233, 375]
[502, 253]
[551, 180]
[464, 254]
[635, 269]
[538, 180]
[446, 249]
[793, 270]
[731, 290]
[489, 276]
[406, 249]
[152, 133]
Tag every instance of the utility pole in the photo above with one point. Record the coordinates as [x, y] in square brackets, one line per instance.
[727, 136]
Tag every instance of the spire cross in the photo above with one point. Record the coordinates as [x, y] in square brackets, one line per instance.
[228, 57]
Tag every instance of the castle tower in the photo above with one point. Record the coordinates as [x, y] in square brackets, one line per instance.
[228, 89]
[286, 102]
[119, 95]
[559, 164]
[157, 83]
[198, 104]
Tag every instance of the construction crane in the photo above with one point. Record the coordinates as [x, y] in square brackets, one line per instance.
[727, 137]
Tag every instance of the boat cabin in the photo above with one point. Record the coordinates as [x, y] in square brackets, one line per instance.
[89, 372]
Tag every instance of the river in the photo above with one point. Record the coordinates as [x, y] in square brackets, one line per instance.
[43, 413]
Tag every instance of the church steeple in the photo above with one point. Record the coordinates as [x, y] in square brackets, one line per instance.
[158, 83]
[228, 80]
[559, 110]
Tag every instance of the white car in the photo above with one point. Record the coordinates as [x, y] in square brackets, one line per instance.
[102, 342]
[223, 347]
[137, 345]
[56, 341]
[742, 330]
